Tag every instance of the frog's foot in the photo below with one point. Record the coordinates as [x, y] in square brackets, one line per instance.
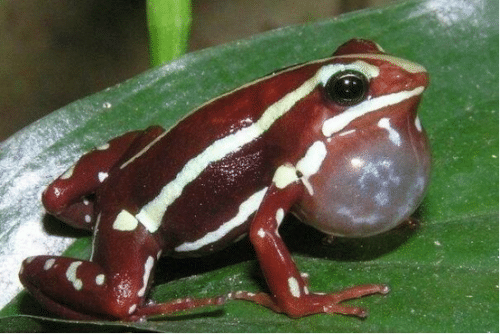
[175, 306]
[314, 303]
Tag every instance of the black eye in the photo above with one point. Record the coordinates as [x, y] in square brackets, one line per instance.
[347, 87]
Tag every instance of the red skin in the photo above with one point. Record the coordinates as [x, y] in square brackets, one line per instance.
[113, 284]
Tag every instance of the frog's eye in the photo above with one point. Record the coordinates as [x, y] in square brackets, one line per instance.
[347, 87]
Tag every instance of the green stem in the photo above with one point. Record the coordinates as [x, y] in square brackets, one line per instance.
[168, 22]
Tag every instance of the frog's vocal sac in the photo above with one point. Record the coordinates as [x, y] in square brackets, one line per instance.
[336, 141]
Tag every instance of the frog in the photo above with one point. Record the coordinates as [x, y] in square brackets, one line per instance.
[336, 142]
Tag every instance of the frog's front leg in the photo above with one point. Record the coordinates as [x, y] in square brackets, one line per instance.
[70, 197]
[290, 292]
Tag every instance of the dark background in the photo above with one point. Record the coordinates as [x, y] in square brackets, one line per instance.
[55, 52]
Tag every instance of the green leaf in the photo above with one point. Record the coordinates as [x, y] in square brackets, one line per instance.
[443, 275]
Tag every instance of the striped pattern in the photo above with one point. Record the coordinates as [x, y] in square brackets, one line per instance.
[152, 213]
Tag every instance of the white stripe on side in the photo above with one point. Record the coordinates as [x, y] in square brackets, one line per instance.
[339, 122]
[152, 213]
[246, 209]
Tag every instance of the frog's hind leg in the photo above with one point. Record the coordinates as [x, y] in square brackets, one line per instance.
[114, 284]
[70, 197]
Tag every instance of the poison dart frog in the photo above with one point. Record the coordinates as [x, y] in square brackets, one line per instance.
[337, 142]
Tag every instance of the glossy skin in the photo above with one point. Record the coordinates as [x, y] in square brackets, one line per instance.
[353, 163]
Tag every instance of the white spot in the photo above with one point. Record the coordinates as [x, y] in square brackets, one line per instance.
[158, 255]
[154, 210]
[106, 105]
[103, 147]
[68, 173]
[49, 263]
[311, 163]
[418, 125]
[246, 209]
[71, 275]
[261, 233]
[86, 201]
[125, 222]
[102, 176]
[132, 309]
[394, 136]
[369, 71]
[88, 219]
[99, 279]
[285, 175]
[339, 122]
[306, 290]
[147, 271]
[280, 214]
[293, 286]
[356, 162]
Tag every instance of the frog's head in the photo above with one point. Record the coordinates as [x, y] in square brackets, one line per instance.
[377, 164]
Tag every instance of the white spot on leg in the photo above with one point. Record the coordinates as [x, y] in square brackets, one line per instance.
[147, 271]
[88, 219]
[99, 279]
[261, 233]
[293, 286]
[125, 221]
[102, 176]
[71, 275]
[132, 309]
[49, 263]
